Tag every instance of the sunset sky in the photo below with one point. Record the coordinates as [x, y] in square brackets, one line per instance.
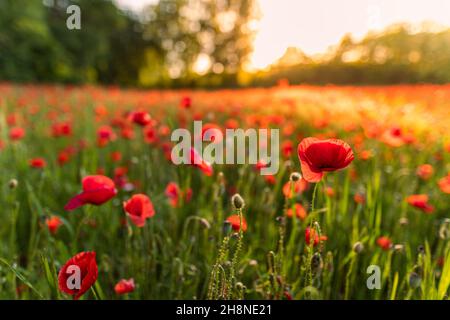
[315, 25]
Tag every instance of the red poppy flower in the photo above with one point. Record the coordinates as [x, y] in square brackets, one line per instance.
[185, 102]
[359, 198]
[53, 223]
[139, 208]
[141, 118]
[38, 163]
[312, 234]
[317, 156]
[61, 129]
[260, 165]
[174, 194]
[116, 156]
[127, 133]
[124, 286]
[78, 274]
[300, 211]
[16, 133]
[420, 201]
[384, 243]
[97, 190]
[444, 184]
[105, 134]
[290, 188]
[393, 137]
[197, 161]
[270, 179]
[235, 222]
[329, 191]
[150, 135]
[287, 147]
[425, 171]
[63, 157]
[366, 155]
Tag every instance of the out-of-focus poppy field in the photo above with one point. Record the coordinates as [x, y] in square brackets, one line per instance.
[358, 210]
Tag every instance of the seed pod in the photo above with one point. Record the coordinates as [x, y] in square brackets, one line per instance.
[358, 247]
[403, 221]
[237, 201]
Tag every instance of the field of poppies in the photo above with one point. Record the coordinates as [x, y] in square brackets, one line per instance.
[94, 208]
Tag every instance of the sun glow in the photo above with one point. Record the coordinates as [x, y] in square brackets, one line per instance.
[313, 26]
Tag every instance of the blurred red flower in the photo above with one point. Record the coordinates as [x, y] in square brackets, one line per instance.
[425, 171]
[235, 222]
[63, 157]
[82, 266]
[185, 102]
[312, 234]
[38, 163]
[384, 243]
[105, 134]
[420, 201]
[53, 223]
[124, 286]
[444, 184]
[141, 118]
[290, 188]
[317, 156]
[300, 211]
[197, 161]
[16, 133]
[97, 190]
[174, 194]
[139, 208]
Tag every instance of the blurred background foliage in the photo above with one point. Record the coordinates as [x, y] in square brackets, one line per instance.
[196, 43]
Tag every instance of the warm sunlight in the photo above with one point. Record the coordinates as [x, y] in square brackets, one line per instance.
[313, 26]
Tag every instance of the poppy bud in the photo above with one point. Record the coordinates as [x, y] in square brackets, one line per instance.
[240, 286]
[358, 247]
[13, 183]
[295, 176]
[316, 262]
[237, 201]
[444, 230]
[253, 263]
[421, 249]
[205, 223]
[280, 219]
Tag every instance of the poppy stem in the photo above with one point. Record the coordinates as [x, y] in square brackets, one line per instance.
[314, 197]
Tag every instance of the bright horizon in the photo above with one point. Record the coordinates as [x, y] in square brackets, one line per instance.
[314, 26]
